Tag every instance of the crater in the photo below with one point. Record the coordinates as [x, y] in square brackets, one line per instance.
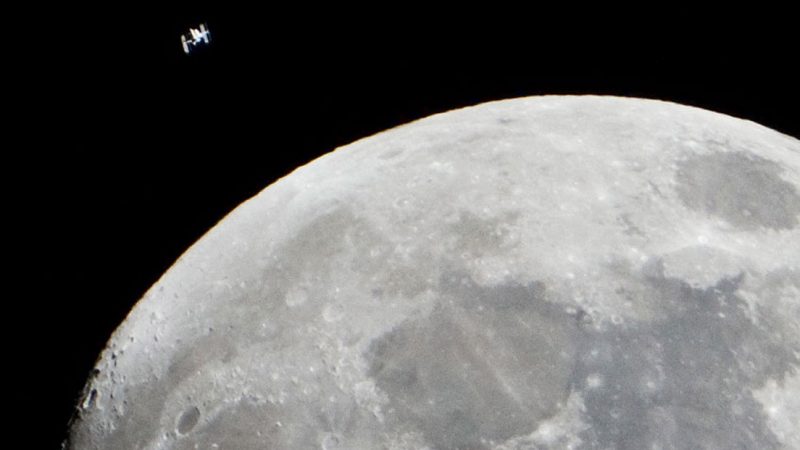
[89, 400]
[188, 420]
[743, 189]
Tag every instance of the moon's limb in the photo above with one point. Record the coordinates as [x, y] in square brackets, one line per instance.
[544, 272]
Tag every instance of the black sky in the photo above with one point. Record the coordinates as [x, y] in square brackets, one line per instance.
[146, 148]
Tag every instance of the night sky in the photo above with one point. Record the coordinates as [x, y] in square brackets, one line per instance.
[146, 148]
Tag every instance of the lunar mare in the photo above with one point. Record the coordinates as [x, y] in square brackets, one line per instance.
[556, 272]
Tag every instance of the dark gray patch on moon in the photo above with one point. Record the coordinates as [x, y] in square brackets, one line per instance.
[482, 368]
[490, 363]
[685, 381]
[739, 187]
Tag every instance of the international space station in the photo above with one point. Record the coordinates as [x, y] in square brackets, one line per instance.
[194, 38]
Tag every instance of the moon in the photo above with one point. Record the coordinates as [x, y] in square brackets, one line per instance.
[545, 272]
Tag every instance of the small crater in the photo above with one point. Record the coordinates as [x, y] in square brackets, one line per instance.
[296, 297]
[331, 442]
[594, 381]
[90, 399]
[333, 313]
[739, 187]
[188, 420]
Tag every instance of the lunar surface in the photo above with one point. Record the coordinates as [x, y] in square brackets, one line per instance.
[549, 272]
